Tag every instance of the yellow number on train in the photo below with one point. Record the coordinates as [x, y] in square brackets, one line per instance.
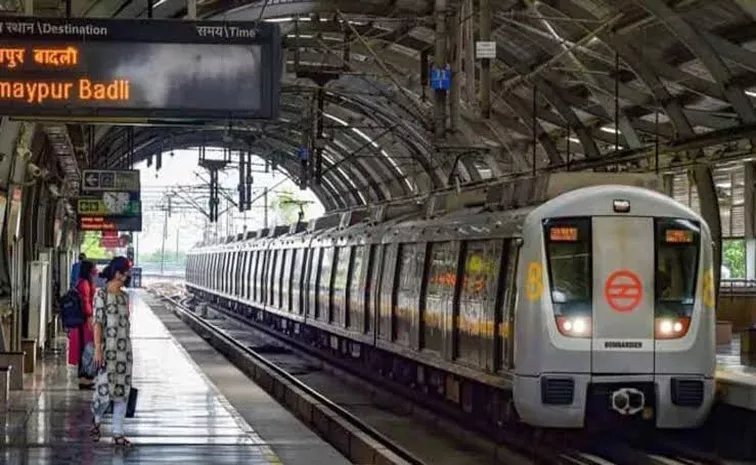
[534, 287]
[708, 289]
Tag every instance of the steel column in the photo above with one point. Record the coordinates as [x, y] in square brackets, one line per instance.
[440, 57]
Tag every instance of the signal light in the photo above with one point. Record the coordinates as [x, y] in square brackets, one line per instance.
[671, 328]
[579, 327]
[621, 206]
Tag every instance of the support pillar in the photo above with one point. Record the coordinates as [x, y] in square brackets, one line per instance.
[440, 59]
[455, 32]
[703, 178]
[191, 9]
[668, 185]
[749, 212]
[485, 63]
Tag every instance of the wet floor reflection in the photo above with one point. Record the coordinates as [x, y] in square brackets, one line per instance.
[180, 418]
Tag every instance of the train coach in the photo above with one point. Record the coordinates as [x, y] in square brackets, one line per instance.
[595, 304]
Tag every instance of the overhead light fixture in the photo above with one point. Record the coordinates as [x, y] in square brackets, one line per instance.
[609, 129]
[574, 139]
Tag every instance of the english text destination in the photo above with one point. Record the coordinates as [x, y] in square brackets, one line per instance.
[39, 92]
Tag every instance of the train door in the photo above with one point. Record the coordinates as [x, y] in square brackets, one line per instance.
[623, 295]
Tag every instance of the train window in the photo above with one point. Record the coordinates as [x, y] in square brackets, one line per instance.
[677, 266]
[229, 275]
[477, 298]
[296, 280]
[245, 274]
[258, 275]
[442, 280]
[274, 270]
[411, 263]
[339, 302]
[284, 275]
[314, 266]
[569, 262]
[355, 316]
[326, 270]
[385, 294]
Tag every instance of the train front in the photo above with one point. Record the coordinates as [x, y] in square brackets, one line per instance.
[619, 281]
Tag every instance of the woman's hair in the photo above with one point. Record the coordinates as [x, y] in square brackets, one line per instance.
[86, 270]
[116, 265]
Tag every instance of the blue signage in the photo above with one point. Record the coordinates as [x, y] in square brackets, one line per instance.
[440, 79]
[303, 153]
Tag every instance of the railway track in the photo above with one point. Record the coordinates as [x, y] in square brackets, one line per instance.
[414, 434]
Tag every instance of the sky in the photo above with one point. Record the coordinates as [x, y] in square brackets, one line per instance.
[185, 228]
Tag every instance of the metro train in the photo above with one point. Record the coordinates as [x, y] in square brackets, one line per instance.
[595, 304]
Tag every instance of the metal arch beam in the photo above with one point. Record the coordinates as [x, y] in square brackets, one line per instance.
[293, 8]
[379, 163]
[625, 126]
[671, 106]
[364, 171]
[382, 115]
[702, 49]
[556, 100]
[417, 143]
[186, 140]
[148, 139]
[344, 183]
[145, 136]
[734, 52]
[152, 141]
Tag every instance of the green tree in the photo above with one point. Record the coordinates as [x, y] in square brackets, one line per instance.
[733, 257]
[285, 207]
[90, 246]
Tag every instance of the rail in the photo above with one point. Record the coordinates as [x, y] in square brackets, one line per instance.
[329, 404]
[737, 285]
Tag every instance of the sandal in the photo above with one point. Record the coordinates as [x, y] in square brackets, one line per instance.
[121, 441]
[95, 432]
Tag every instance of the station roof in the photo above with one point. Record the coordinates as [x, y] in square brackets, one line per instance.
[678, 78]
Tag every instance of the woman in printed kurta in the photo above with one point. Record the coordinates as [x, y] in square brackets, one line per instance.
[112, 349]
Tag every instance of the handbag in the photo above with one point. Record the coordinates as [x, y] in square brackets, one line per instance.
[130, 403]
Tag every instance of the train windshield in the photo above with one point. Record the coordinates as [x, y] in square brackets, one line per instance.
[568, 249]
[678, 245]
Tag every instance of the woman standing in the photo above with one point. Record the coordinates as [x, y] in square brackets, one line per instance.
[112, 336]
[80, 336]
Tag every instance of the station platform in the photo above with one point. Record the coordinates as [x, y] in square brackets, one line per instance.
[181, 416]
[736, 376]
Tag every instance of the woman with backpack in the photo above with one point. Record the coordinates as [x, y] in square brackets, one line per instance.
[80, 336]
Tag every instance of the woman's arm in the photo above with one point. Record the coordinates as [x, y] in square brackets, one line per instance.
[99, 317]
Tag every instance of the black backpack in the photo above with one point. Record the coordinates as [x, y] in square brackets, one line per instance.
[71, 311]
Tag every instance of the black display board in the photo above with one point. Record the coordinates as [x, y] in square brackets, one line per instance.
[139, 68]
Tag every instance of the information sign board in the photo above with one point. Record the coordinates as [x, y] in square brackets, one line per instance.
[485, 49]
[110, 223]
[114, 68]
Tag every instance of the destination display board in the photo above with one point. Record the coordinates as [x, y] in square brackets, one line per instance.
[139, 68]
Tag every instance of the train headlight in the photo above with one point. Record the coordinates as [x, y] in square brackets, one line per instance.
[574, 326]
[671, 328]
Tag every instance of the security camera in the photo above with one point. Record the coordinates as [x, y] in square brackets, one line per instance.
[35, 171]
